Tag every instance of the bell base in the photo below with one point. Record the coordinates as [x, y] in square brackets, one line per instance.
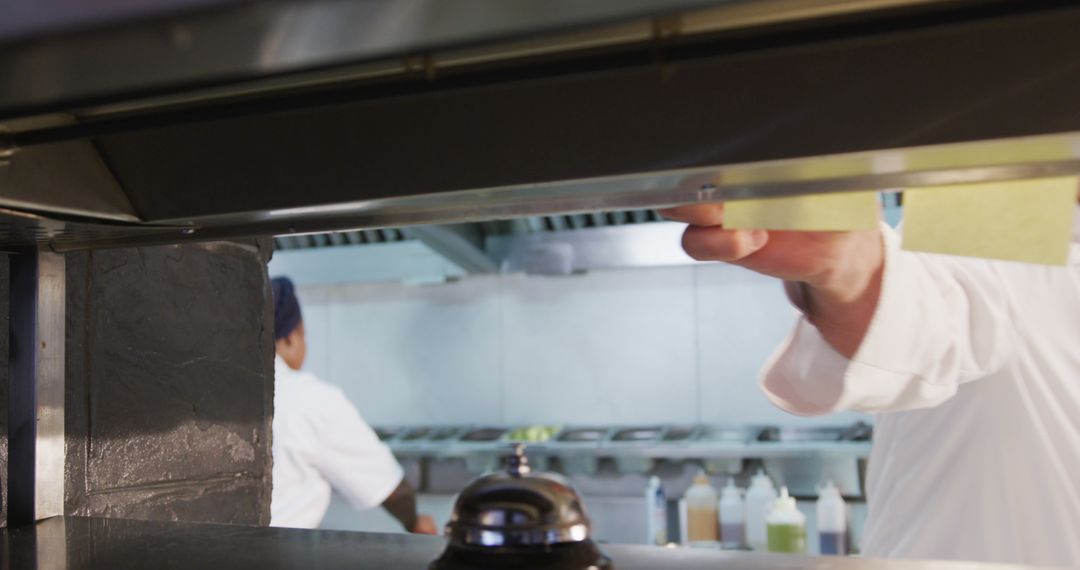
[571, 556]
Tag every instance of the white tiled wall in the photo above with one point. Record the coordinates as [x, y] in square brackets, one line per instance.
[412, 354]
[741, 317]
[606, 347]
[677, 344]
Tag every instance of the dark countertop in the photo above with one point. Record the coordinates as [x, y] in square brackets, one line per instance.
[75, 543]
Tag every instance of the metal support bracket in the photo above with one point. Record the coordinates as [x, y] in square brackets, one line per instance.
[457, 244]
[36, 387]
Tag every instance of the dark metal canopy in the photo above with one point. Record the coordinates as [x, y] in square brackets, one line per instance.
[214, 119]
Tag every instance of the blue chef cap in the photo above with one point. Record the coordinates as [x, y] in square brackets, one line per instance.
[286, 308]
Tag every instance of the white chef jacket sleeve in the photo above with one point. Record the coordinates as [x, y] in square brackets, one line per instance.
[352, 458]
[940, 321]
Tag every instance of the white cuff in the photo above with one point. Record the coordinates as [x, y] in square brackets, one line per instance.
[807, 376]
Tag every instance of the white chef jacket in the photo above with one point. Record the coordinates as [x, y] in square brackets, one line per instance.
[973, 367]
[320, 441]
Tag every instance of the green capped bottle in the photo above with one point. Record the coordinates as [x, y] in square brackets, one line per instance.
[786, 526]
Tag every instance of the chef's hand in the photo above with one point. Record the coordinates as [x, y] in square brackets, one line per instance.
[425, 525]
[841, 270]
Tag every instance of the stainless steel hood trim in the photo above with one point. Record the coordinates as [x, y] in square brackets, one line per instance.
[983, 161]
[886, 170]
[65, 179]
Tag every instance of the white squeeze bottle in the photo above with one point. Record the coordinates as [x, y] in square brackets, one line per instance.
[701, 516]
[759, 500]
[832, 521]
[732, 516]
[655, 513]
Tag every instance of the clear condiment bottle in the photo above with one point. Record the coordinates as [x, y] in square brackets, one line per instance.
[732, 516]
[701, 515]
[786, 526]
[759, 500]
[655, 513]
[831, 521]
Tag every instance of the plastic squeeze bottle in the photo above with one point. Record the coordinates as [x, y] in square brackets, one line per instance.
[701, 516]
[786, 526]
[759, 500]
[732, 516]
[655, 513]
[832, 521]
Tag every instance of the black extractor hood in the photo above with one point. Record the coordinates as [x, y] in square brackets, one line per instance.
[162, 122]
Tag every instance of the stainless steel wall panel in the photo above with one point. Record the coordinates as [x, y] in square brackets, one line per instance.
[36, 387]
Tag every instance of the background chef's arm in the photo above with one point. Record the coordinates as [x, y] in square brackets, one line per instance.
[357, 464]
[401, 504]
[938, 322]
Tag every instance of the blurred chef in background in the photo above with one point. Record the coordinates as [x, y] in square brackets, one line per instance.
[972, 365]
[322, 443]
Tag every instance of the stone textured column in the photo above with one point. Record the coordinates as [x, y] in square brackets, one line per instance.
[5, 289]
[170, 382]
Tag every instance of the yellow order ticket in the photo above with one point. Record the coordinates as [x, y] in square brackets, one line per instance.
[842, 211]
[1024, 220]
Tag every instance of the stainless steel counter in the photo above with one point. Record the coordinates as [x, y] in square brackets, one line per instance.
[659, 441]
[75, 543]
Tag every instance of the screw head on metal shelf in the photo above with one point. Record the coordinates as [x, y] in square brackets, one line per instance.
[7, 147]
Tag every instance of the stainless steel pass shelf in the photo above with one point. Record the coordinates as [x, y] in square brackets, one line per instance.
[74, 543]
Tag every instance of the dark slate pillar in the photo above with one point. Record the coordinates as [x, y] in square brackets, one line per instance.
[170, 383]
[4, 323]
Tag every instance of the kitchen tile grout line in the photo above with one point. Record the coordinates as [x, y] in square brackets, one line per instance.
[499, 348]
[694, 304]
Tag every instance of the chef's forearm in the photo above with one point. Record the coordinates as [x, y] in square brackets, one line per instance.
[842, 306]
[401, 504]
